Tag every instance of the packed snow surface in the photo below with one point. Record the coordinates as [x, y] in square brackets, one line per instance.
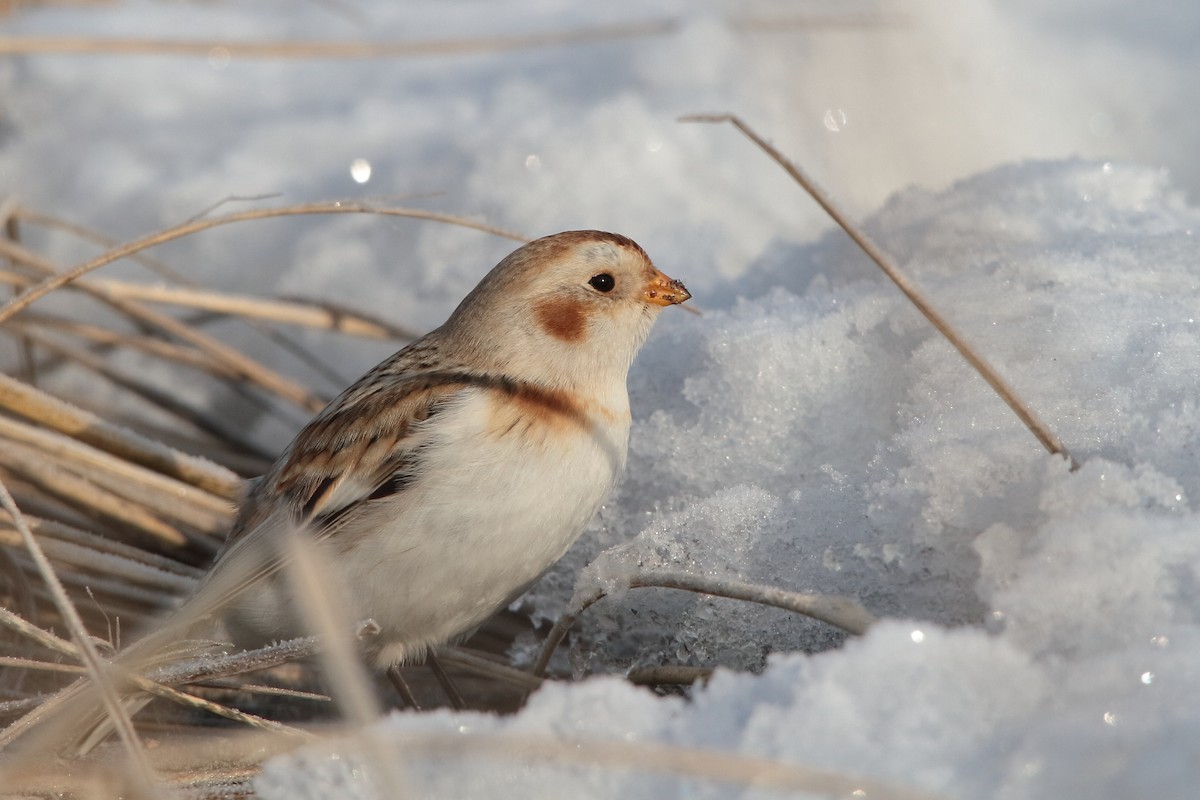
[1030, 164]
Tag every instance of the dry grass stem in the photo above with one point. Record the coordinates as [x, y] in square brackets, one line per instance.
[226, 49]
[289, 311]
[45, 287]
[347, 319]
[320, 601]
[669, 674]
[87, 650]
[105, 338]
[165, 401]
[309, 314]
[240, 364]
[103, 545]
[189, 504]
[86, 496]
[841, 612]
[263, 689]
[45, 666]
[107, 566]
[26, 401]
[906, 285]
[46, 639]
[466, 661]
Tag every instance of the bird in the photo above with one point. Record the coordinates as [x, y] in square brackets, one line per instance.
[447, 479]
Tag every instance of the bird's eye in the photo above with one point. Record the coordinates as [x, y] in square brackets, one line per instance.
[602, 282]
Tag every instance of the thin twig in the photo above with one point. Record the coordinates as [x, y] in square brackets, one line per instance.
[284, 341]
[45, 638]
[668, 675]
[229, 434]
[905, 284]
[182, 501]
[87, 496]
[225, 48]
[87, 648]
[841, 612]
[34, 404]
[243, 365]
[35, 293]
[291, 311]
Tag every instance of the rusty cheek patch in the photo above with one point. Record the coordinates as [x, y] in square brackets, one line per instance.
[562, 318]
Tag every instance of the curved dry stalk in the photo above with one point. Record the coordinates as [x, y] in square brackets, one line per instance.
[910, 289]
[35, 293]
[182, 501]
[242, 365]
[104, 546]
[841, 612]
[52, 412]
[309, 314]
[225, 48]
[86, 648]
[106, 338]
[344, 319]
[18, 624]
[318, 315]
[262, 689]
[42, 666]
[28, 464]
[228, 712]
[106, 566]
[214, 425]
[668, 674]
[484, 667]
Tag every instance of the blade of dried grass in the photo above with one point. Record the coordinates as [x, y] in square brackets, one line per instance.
[227, 712]
[105, 565]
[668, 674]
[107, 338]
[353, 319]
[28, 463]
[73, 45]
[841, 612]
[34, 404]
[8, 209]
[263, 689]
[304, 313]
[244, 366]
[31, 295]
[321, 606]
[906, 285]
[43, 666]
[469, 662]
[169, 403]
[182, 501]
[87, 650]
[104, 545]
[17, 624]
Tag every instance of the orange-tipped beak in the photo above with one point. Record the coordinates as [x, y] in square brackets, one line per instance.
[664, 291]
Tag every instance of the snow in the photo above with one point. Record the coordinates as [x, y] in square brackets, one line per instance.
[1030, 164]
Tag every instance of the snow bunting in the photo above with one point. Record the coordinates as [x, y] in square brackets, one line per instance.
[451, 476]
[445, 481]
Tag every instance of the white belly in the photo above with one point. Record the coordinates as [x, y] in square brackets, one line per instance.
[495, 506]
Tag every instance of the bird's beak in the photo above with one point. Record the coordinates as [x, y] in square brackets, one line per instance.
[664, 291]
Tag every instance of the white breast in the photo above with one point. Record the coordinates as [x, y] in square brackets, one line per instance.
[502, 496]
